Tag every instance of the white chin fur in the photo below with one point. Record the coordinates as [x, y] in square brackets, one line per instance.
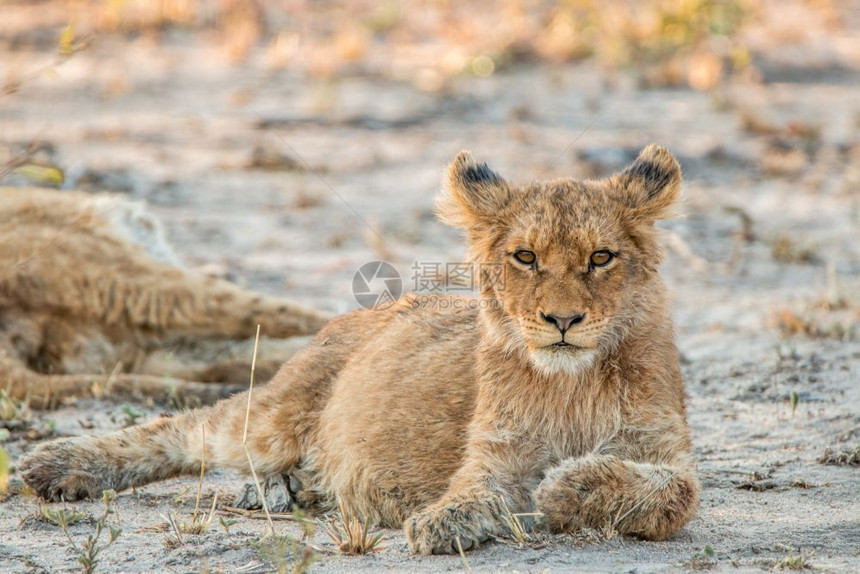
[561, 362]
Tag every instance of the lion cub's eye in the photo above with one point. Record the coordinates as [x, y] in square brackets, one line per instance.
[525, 257]
[601, 258]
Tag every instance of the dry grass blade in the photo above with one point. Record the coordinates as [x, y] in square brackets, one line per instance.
[463, 555]
[259, 515]
[5, 467]
[199, 524]
[202, 472]
[352, 536]
[519, 532]
[175, 539]
[257, 485]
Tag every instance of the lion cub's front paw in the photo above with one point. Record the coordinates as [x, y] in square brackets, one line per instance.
[436, 531]
[56, 471]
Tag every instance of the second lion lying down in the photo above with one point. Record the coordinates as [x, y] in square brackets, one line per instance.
[564, 396]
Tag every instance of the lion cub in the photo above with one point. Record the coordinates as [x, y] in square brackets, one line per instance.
[564, 397]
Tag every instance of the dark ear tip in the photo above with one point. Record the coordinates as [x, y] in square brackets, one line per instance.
[467, 171]
[660, 156]
[463, 159]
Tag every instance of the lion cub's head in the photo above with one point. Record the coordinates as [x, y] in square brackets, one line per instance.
[578, 258]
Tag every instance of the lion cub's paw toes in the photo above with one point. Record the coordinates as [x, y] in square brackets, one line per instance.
[437, 531]
[559, 504]
[54, 471]
[248, 498]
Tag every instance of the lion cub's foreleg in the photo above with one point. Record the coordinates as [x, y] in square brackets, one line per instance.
[493, 483]
[462, 519]
[642, 484]
[651, 501]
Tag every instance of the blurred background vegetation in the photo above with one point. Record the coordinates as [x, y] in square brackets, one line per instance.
[668, 42]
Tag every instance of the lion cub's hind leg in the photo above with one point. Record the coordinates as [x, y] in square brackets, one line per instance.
[283, 419]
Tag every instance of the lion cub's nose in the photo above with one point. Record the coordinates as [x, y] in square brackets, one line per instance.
[563, 323]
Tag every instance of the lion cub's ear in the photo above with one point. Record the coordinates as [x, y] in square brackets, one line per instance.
[471, 193]
[651, 184]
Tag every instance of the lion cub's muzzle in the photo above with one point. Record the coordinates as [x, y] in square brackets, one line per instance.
[567, 331]
[563, 323]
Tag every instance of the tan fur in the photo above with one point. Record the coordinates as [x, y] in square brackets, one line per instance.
[88, 287]
[437, 416]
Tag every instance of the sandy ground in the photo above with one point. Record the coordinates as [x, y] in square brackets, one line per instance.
[765, 266]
